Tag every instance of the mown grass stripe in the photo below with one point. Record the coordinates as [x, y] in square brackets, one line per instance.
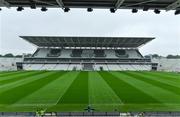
[50, 94]
[126, 92]
[77, 93]
[163, 96]
[15, 75]
[164, 76]
[8, 86]
[100, 92]
[13, 95]
[11, 73]
[168, 74]
[166, 100]
[165, 86]
[65, 81]
[17, 78]
[161, 79]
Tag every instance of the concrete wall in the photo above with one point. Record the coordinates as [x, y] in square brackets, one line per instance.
[9, 64]
[164, 64]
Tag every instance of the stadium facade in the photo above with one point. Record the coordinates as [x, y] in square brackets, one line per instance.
[87, 53]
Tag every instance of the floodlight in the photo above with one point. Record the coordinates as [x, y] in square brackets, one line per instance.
[44, 9]
[157, 11]
[134, 10]
[177, 12]
[89, 9]
[20, 8]
[112, 10]
[66, 9]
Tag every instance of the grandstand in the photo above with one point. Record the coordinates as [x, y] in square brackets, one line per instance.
[87, 53]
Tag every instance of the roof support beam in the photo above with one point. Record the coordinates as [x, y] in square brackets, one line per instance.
[39, 1]
[60, 3]
[173, 6]
[119, 3]
[5, 3]
[140, 3]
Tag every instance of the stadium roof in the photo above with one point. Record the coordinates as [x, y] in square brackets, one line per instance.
[117, 4]
[112, 42]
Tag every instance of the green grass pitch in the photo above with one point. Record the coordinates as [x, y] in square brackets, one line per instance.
[60, 91]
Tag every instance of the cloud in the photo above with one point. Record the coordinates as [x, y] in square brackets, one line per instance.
[165, 27]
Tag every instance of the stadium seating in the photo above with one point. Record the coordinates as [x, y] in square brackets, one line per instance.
[121, 67]
[36, 66]
[133, 54]
[74, 67]
[76, 53]
[110, 54]
[87, 53]
[121, 53]
[54, 53]
[27, 66]
[88, 67]
[48, 67]
[61, 67]
[99, 53]
[125, 67]
[113, 67]
[101, 67]
[66, 53]
[42, 52]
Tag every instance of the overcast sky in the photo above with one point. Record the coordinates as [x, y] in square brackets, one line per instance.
[78, 22]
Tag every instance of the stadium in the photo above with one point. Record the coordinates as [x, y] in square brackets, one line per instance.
[105, 75]
[88, 76]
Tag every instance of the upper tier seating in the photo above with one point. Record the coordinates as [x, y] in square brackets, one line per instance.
[54, 53]
[99, 53]
[76, 53]
[41, 53]
[121, 53]
[87, 53]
